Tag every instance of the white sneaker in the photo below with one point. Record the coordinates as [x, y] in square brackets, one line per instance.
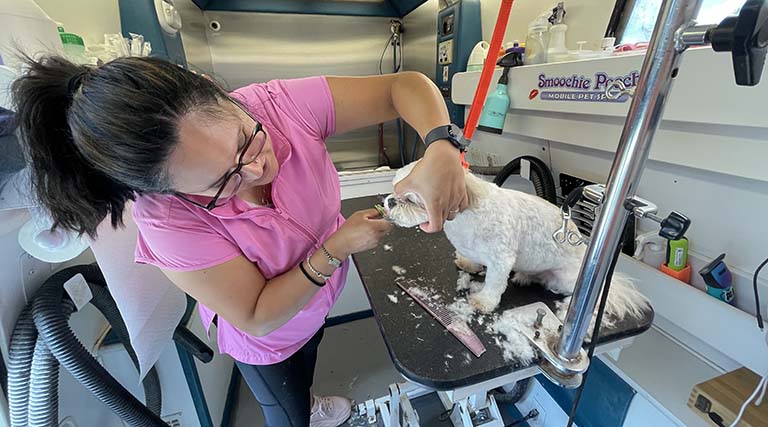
[330, 411]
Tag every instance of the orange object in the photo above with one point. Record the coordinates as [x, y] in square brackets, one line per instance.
[487, 74]
[683, 275]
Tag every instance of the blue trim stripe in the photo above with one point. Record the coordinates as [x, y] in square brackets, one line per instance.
[233, 396]
[605, 401]
[346, 318]
[195, 386]
[384, 8]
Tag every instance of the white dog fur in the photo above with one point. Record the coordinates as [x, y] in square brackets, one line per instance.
[506, 230]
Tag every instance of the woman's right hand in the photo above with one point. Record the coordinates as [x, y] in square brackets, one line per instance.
[363, 230]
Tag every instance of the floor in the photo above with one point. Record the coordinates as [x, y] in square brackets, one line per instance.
[352, 362]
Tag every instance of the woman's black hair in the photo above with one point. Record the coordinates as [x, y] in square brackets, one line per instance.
[98, 136]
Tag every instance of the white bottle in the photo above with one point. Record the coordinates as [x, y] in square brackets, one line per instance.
[557, 51]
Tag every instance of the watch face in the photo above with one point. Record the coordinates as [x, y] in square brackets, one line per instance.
[454, 131]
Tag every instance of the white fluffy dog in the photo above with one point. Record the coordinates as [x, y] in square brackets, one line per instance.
[507, 230]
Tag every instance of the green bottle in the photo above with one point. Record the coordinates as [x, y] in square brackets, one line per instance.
[497, 103]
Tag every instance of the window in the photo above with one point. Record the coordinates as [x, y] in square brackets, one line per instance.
[639, 17]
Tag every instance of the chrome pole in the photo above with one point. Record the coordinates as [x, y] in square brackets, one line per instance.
[645, 113]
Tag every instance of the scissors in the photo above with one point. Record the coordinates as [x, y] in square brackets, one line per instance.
[564, 234]
[380, 209]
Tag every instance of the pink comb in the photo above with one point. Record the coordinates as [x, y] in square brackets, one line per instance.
[447, 318]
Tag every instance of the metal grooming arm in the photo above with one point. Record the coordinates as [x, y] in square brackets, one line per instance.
[746, 37]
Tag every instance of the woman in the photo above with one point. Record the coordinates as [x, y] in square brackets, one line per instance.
[237, 200]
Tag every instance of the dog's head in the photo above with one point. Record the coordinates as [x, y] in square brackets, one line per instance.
[406, 210]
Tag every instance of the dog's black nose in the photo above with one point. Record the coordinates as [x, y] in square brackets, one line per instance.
[391, 203]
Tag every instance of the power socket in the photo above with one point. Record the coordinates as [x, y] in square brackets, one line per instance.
[493, 159]
[541, 419]
[550, 413]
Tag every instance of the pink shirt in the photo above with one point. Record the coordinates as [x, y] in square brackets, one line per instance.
[176, 235]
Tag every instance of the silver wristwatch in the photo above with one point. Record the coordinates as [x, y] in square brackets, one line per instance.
[335, 262]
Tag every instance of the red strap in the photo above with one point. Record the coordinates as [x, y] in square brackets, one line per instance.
[487, 74]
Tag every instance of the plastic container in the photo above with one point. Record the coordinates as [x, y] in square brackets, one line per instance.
[651, 249]
[582, 53]
[24, 24]
[477, 56]
[608, 44]
[537, 41]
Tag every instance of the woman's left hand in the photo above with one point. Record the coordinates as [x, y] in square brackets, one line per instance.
[439, 179]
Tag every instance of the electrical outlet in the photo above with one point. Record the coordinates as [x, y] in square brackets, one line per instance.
[541, 419]
[550, 413]
[173, 420]
[33, 273]
[493, 159]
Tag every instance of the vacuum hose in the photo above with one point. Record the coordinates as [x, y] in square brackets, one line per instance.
[33, 362]
[541, 177]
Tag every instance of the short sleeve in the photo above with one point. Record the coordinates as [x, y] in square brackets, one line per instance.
[306, 102]
[179, 241]
[311, 100]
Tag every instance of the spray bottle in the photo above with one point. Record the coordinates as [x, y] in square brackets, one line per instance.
[497, 103]
[557, 51]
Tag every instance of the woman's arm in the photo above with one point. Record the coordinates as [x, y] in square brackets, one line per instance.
[238, 292]
[365, 101]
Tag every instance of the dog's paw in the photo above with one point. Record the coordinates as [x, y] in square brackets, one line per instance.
[484, 302]
[522, 279]
[467, 265]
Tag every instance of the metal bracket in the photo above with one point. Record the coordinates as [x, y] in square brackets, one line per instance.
[640, 207]
[617, 89]
[465, 414]
[543, 333]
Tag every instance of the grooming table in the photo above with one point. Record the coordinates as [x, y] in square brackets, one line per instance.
[422, 350]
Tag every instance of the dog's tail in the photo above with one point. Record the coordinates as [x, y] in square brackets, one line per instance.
[624, 300]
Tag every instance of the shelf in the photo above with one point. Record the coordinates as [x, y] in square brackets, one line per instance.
[731, 331]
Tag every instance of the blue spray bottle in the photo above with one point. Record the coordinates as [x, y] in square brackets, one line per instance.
[497, 103]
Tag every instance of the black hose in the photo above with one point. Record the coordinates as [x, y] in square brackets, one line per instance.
[53, 326]
[102, 300]
[514, 395]
[43, 409]
[541, 177]
[49, 313]
[20, 354]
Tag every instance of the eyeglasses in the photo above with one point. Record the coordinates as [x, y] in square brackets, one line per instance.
[232, 180]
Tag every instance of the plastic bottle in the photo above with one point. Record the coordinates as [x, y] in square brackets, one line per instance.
[537, 41]
[557, 51]
[477, 56]
[74, 46]
[497, 103]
